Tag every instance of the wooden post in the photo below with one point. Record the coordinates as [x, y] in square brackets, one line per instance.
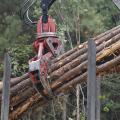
[91, 82]
[98, 89]
[78, 101]
[6, 88]
[64, 116]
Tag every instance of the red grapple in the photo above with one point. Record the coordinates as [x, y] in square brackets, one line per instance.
[47, 45]
[45, 31]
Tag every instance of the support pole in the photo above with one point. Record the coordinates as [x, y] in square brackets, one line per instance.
[78, 101]
[98, 89]
[6, 88]
[64, 116]
[91, 82]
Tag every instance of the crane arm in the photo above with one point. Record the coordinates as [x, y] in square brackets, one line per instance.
[45, 5]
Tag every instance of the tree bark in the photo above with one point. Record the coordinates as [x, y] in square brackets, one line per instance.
[15, 81]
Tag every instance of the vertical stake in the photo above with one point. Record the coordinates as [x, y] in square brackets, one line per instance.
[64, 116]
[6, 88]
[78, 101]
[91, 82]
[98, 89]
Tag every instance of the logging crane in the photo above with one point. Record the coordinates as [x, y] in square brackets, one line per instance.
[47, 45]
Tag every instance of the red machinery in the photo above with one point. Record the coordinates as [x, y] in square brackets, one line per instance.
[47, 45]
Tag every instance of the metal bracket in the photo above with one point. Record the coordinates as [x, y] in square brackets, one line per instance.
[34, 65]
[47, 34]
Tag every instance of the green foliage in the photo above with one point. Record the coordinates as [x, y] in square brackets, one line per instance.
[82, 116]
[1, 71]
[20, 56]
[111, 91]
[93, 17]
[106, 109]
[12, 33]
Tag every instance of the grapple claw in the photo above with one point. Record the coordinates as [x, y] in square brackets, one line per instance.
[47, 46]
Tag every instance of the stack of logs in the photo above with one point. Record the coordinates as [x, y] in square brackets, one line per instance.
[66, 71]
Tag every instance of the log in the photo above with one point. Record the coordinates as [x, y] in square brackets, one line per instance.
[83, 48]
[76, 48]
[73, 63]
[82, 75]
[35, 99]
[16, 80]
[58, 73]
[109, 33]
[64, 75]
[78, 70]
[17, 88]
